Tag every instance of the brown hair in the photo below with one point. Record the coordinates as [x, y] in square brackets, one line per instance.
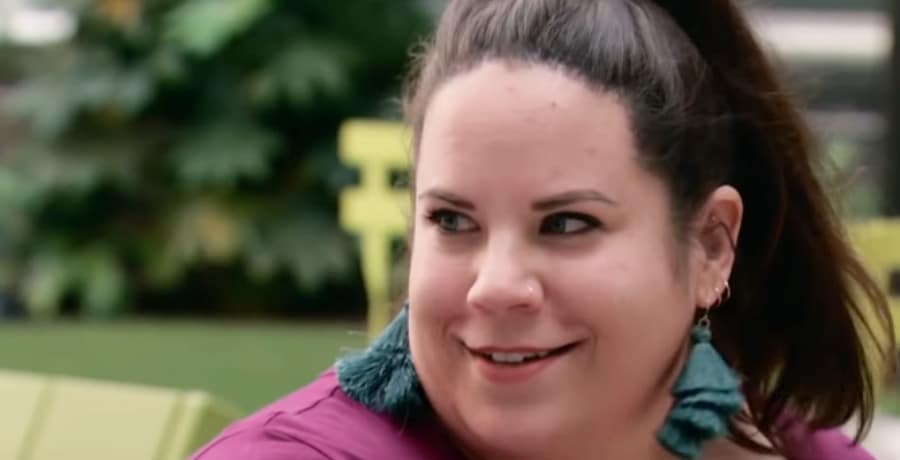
[707, 109]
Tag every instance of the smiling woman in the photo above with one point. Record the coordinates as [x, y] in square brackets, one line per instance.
[619, 249]
[535, 263]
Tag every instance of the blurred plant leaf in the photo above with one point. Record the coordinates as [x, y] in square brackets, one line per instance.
[168, 65]
[94, 271]
[224, 152]
[102, 282]
[308, 244]
[124, 13]
[203, 27]
[49, 103]
[16, 191]
[40, 172]
[45, 103]
[323, 165]
[304, 69]
[313, 248]
[204, 230]
[46, 279]
[124, 91]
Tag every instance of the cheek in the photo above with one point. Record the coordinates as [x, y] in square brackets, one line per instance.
[437, 292]
[630, 293]
[437, 281]
[629, 273]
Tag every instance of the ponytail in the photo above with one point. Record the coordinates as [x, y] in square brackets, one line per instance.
[805, 311]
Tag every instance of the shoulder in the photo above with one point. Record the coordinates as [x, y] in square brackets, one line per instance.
[318, 422]
[803, 443]
[800, 442]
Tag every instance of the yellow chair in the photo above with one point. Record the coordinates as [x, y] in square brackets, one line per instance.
[46, 417]
[878, 244]
[374, 211]
[378, 214]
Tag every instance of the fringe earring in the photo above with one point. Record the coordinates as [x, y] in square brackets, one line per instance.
[707, 394]
[382, 377]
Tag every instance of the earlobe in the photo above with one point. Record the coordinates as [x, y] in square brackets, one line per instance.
[708, 298]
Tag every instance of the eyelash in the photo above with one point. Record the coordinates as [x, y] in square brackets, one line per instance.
[590, 222]
[435, 218]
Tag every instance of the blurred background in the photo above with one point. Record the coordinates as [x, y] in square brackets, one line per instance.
[169, 178]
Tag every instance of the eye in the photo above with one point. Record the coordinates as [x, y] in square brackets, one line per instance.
[451, 221]
[568, 223]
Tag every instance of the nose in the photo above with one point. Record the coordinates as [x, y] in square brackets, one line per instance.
[504, 280]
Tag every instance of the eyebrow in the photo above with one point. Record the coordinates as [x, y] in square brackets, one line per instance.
[571, 197]
[448, 197]
[544, 204]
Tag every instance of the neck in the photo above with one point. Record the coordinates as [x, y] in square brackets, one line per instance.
[635, 440]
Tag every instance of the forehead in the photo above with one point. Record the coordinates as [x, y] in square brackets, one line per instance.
[525, 123]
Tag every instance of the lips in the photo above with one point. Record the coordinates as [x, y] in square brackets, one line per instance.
[512, 367]
[512, 356]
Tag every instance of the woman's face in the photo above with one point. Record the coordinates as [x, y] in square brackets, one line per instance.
[550, 300]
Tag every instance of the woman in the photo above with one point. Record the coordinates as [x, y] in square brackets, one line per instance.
[619, 250]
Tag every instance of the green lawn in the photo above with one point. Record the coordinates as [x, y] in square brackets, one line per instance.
[247, 365]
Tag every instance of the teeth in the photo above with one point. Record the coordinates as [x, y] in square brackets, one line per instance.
[514, 358]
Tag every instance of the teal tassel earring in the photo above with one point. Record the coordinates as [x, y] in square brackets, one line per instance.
[382, 377]
[707, 394]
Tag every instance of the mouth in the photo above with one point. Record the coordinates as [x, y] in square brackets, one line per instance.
[518, 357]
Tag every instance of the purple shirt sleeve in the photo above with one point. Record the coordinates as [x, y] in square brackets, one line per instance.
[259, 444]
[319, 422]
[828, 444]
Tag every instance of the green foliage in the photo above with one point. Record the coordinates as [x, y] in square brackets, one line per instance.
[171, 138]
[203, 27]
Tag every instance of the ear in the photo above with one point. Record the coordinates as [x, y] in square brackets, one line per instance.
[717, 228]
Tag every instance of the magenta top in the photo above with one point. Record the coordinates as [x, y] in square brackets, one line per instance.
[319, 422]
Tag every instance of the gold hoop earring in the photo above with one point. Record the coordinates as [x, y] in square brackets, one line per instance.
[723, 293]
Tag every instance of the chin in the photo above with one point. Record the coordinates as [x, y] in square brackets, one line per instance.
[519, 434]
